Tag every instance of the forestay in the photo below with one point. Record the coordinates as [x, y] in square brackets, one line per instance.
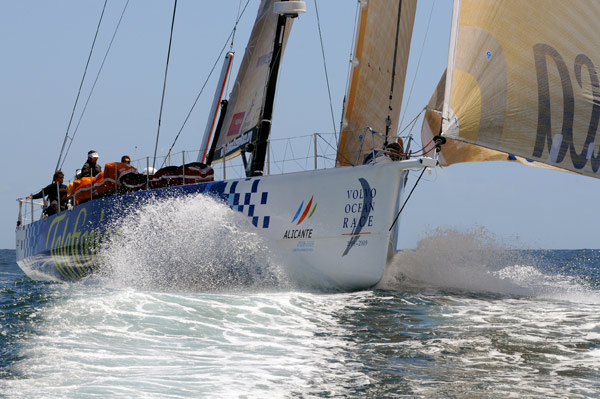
[384, 31]
[525, 82]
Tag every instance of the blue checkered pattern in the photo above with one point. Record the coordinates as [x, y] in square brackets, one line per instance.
[32, 232]
[245, 197]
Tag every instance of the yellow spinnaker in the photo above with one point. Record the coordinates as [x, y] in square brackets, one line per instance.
[526, 82]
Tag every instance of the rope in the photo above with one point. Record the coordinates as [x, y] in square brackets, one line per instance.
[94, 85]
[407, 198]
[325, 67]
[80, 86]
[208, 78]
[162, 101]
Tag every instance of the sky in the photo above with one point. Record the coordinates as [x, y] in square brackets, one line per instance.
[45, 46]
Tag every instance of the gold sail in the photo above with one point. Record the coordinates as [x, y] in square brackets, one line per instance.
[455, 151]
[374, 69]
[525, 82]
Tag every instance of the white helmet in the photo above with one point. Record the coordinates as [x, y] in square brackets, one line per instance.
[149, 171]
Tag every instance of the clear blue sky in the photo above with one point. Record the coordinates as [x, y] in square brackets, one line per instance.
[45, 46]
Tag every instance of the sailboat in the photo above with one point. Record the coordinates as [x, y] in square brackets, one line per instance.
[528, 97]
[333, 227]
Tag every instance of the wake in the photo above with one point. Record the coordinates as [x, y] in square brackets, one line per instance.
[476, 261]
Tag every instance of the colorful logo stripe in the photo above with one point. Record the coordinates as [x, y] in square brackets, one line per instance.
[306, 210]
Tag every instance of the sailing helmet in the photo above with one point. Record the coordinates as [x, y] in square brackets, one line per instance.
[149, 171]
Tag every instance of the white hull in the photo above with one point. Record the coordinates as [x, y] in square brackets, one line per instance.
[328, 227]
[346, 241]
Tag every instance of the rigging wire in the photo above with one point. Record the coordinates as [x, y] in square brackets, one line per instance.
[412, 122]
[80, 86]
[418, 64]
[237, 18]
[94, 85]
[162, 101]
[407, 198]
[208, 77]
[325, 67]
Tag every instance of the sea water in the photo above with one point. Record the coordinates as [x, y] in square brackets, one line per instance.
[462, 315]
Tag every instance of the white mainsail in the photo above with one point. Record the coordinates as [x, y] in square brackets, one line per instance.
[247, 100]
[384, 31]
[525, 82]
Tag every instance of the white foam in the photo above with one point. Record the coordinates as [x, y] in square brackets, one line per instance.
[191, 243]
[476, 261]
[100, 342]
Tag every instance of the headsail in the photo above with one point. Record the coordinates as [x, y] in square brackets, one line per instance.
[246, 104]
[455, 151]
[383, 27]
[525, 81]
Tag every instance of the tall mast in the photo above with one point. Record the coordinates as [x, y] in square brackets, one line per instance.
[285, 9]
[210, 124]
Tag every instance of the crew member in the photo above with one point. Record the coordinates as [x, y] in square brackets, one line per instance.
[90, 168]
[52, 191]
[391, 152]
[127, 160]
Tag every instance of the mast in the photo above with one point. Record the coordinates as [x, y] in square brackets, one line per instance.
[214, 110]
[388, 120]
[285, 9]
[260, 148]
[211, 153]
[250, 105]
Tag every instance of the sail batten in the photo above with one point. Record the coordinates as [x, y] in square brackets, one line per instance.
[380, 58]
[525, 81]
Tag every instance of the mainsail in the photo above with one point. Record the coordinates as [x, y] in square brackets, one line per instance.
[523, 81]
[245, 110]
[377, 77]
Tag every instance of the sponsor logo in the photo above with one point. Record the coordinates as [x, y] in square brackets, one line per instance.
[306, 210]
[236, 124]
[264, 59]
[73, 248]
[303, 213]
[239, 141]
[359, 209]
